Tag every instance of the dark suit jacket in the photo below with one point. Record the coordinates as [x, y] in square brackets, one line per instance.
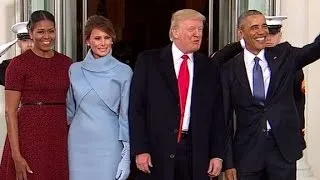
[3, 66]
[299, 96]
[245, 147]
[300, 99]
[154, 113]
[226, 53]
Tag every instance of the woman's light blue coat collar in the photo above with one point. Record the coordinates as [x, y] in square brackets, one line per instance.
[104, 63]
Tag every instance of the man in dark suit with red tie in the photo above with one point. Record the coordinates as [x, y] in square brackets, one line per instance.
[257, 85]
[176, 125]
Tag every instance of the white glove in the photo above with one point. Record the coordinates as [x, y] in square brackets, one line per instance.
[124, 165]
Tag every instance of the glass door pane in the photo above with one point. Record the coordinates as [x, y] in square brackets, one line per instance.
[35, 5]
[264, 6]
[229, 16]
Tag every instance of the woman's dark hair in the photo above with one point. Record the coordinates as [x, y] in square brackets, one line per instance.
[101, 23]
[39, 15]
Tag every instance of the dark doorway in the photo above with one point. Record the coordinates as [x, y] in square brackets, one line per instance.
[144, 24]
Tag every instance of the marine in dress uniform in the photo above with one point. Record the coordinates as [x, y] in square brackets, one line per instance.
[24, 42]
[274, 25]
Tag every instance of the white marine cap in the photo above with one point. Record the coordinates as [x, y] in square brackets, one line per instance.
[275, 23]
[21, 30]
[275, 20]
[22, 33]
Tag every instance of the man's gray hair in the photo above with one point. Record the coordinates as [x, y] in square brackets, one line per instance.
[182, 15]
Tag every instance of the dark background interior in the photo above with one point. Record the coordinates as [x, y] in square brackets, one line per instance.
[144, 24]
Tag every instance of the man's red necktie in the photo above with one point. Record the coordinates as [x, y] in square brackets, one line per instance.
[183, 84]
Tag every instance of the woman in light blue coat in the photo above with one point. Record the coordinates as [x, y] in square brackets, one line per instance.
[97, 109]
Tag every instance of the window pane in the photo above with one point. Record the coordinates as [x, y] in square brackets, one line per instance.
[261, 5]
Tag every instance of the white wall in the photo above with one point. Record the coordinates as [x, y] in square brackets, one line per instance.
[301, 27]
[7, 14]
[7, 19]
[313, 92]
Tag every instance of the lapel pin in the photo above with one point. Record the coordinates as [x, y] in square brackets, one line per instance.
[275, 57]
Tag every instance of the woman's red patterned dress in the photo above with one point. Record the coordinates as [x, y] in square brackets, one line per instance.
[42, 128]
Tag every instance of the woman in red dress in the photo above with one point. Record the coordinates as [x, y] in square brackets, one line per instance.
[35, 96]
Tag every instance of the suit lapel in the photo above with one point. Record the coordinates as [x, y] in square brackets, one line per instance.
[168, 71]
[167, 68]
[241, 74]
[197, 64]
[271, 59]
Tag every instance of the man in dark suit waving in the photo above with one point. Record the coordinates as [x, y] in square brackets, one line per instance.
[176, 125]
[257, 85]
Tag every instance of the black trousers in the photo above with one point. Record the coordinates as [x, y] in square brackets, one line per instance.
[183, 159]
[275, 166]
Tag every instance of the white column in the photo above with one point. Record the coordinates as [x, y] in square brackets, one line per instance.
[299, 29]
[3, 129]
[313, 96]
[7, 12]
[303, 169]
